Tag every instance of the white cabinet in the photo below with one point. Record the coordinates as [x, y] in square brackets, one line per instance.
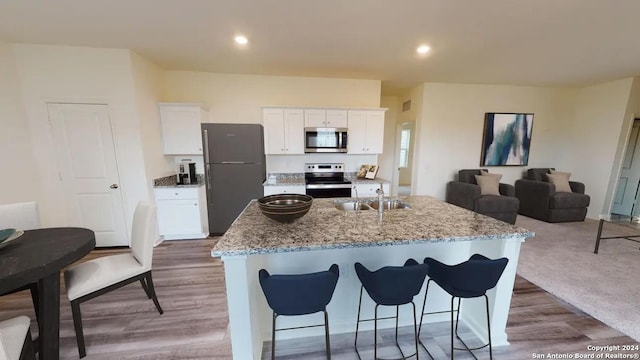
[180, 125]
[284, 189]
[283, 131]
[331, 118]
[366, 131]
[182, 213]
[369, 190]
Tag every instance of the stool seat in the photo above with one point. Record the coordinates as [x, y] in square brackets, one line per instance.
[469, 279]
[299, 294]
[390, 286]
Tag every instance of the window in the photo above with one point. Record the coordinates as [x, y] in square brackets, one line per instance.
[405, 139]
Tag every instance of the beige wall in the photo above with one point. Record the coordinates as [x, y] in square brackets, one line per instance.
[19, 180]
[387, 160]
[148, 84]
[449, 132]
[76, 74]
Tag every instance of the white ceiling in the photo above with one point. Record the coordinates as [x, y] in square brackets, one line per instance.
[524, 42]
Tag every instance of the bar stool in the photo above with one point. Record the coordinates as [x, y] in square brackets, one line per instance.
[301, 294]
[469, 279]
[390, 286]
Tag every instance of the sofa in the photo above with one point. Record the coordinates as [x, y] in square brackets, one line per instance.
[540, 200]
[466, 193]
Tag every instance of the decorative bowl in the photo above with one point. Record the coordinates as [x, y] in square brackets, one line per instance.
[285, 207]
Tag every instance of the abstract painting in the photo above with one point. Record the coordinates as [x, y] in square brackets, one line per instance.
[506, 140]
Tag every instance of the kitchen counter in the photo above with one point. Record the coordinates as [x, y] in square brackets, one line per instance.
[171, 182]
[428, 220]
[286, 179]
[326, 235]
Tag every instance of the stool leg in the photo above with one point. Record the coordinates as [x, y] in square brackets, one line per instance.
[397, 313]
[452, 298]
[415, 329]
[458, 318]
[273, 336]
[326, 335]
[486, 300]
[424, 303]
[375, 333]
[355, 342]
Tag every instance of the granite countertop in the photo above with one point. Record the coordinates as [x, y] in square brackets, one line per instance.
[171, 182]
[325, 227]
[286, 179]
[356, 180]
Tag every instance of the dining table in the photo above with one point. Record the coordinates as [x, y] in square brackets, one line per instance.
[37, 257]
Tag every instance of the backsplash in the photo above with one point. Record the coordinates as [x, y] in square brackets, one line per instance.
[295, 163]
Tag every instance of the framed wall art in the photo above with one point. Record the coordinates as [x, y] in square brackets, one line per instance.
[506, 139]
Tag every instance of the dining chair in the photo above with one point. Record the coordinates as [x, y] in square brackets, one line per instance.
[15, 339]
[95, 277]
[22, 216]
[390, 286]
[299, 294]
[468, 279]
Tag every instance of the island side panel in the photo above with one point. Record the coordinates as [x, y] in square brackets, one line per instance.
[243, 292]
[474, 310]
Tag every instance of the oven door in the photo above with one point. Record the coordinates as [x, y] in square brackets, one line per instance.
[319, 191]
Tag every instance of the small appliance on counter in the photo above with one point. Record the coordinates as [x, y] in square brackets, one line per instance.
[186, 173]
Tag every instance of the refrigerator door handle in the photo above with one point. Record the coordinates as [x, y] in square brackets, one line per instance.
[233, 162]
[206, 146]
[208, 181]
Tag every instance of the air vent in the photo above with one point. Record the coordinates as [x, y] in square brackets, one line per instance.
[406, 106]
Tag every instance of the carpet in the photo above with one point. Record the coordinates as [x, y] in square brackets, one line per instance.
[606, 285]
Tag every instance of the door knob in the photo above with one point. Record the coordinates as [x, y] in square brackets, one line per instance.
[114, 186]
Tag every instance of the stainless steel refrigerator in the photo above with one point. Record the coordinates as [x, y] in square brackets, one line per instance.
[234, 169]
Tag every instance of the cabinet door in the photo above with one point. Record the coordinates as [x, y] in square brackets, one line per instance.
[375, 132]
[337, 118]
[294, 131]
[181, 129]
[357, 142]
[293, 189]
[179, 217]
[274, 136]
[315, 117]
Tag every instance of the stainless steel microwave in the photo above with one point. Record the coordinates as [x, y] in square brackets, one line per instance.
[325, 140]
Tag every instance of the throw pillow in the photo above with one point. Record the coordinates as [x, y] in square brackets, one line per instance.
[561, 173]
[560, 181]
[489, 184]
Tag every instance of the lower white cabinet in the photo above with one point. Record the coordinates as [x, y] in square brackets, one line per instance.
[182, 213]
[284, 189]
[369, 190]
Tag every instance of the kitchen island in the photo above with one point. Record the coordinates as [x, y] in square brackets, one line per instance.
[326, 235]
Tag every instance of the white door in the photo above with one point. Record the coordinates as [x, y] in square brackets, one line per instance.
[88, 170]
[629, 176]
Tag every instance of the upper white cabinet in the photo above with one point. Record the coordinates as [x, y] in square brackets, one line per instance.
[331, 118]
[283, 131]
[366, 131]
[180, 125]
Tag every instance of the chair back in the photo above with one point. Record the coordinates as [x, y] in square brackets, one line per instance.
[143, 233]
[538, 174]
[468, 176]
[471, 278]
[299, 294]
[393, 285]
[13, 333]
[20, 216]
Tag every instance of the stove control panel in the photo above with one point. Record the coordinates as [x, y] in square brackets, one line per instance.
[323, 167]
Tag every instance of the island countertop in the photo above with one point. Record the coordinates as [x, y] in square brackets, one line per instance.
[325, 227]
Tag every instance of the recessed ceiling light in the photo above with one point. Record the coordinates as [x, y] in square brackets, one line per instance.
[423, 49]
[241, 40]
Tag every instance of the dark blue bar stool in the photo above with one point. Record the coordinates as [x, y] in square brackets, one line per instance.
[391, 286]
[468, 279]
[301, 294]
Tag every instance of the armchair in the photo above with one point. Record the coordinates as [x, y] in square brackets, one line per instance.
[540, 200]
[466, 193]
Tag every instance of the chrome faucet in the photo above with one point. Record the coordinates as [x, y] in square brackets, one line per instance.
[380, 193]
[355, 189]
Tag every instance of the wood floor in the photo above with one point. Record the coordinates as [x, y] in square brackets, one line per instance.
[190, 285]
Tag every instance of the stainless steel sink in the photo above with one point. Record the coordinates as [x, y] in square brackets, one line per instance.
[389, 204]
[351, 205]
